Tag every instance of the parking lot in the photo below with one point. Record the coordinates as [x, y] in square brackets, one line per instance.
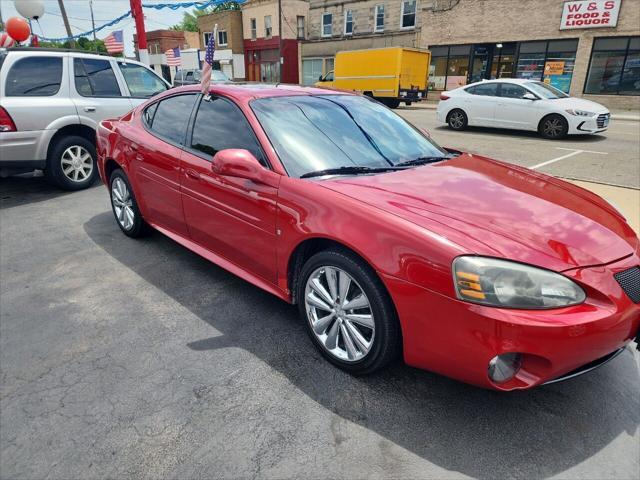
[138, 358]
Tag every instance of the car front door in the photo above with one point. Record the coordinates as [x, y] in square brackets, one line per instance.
[232, 217]
[97, 93]
[481, 104]
[513, 110]
[155, 160]
[141, 82]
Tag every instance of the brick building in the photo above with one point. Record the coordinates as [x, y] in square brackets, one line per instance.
[158, 42]
[261, 26]
[229, 43]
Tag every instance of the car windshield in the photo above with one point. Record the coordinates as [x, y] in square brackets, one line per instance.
[315, 133]
[545, 91]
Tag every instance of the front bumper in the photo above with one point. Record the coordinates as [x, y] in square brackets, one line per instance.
[589, 125]
[458, 339]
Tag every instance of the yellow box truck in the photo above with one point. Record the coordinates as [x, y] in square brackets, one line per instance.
[390, 75]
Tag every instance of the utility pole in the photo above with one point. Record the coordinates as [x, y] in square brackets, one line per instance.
[72, 43]
[1, 22]
[136, 11]
[93, 26]
[280, 59]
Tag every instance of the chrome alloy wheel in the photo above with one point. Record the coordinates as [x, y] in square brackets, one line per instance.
[456, 120]
[553, 127]
[77, 163]
[122, 204]
[339, 313]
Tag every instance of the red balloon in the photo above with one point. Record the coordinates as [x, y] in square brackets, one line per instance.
[18, 29]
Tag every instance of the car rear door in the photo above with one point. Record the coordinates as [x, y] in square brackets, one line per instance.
[481, 104]
[514, 111]
[232, 217]
[97, 92]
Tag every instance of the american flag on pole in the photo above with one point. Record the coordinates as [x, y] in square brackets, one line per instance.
[114, 42]
[173, 57]
[208, 61]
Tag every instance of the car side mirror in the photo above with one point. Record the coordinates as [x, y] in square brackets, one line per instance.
[240, 163]
[320, 78]
[529, 96]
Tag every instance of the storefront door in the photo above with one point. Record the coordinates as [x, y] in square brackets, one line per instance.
[481, 57]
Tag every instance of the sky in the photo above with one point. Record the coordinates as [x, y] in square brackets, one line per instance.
[51, 25]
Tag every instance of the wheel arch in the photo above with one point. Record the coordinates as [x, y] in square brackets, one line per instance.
[83, 131]
[109, 166]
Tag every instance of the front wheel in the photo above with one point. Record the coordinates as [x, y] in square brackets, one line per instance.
[457, 119]
[553, 127]
[348, 312]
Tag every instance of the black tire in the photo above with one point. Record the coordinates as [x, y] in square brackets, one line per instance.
[386, 343]
[138, 227]
[457, 119]
[408, 104]
[65, 150]
[553, 127]
[391, 102]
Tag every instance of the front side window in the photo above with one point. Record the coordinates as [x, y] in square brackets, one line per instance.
[509, 90]
[485, 90]
[408, 14]
[222, 38]
[311, 133]
[95, 78]
[34, 77]
[267, 26]
[254, 29]
[171, 118]
[379, 18]
[614, 67]
[300, 27]
[348, 22]
[220, 125]
[327, 24]
[141, 81]
[545, 91]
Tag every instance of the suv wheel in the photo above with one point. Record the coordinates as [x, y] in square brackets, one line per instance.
[72, 163]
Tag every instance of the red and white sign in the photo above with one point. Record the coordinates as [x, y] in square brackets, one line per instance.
[590, 14]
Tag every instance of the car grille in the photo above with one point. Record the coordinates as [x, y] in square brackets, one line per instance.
[629, 280]
[601, 119]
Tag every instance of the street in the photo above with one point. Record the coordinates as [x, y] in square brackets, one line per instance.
[137, 358]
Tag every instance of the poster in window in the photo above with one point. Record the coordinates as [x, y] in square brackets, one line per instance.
[554, 68]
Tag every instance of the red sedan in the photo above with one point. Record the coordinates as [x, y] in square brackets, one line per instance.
[389, 244]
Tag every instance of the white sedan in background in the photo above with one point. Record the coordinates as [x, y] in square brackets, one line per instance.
[521, 105]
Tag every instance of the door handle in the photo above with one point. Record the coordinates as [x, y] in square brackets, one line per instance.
[192, 173]
[89, 109]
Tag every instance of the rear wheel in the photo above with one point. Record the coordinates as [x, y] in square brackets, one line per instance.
[72, 163]
[391, 102]
[124, 206]
[457, 119]
[348, 312]
[553, 127]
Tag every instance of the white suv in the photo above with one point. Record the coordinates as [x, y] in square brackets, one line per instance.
[51, 102]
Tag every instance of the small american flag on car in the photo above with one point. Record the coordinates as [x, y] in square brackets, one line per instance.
[208, 61]
[173, 57]
[114, 42]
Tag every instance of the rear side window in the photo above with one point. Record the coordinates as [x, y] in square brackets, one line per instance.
[220, 125]
[34, 77]
[171, 118]
[487, 89]
[149, 113]
[95, 78]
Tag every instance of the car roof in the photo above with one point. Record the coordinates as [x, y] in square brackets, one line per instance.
[66, 52]
[518, 81]
[250, 91]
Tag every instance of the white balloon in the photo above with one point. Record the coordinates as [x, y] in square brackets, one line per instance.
[31, 9]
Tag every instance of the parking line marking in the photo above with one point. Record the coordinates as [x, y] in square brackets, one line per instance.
[585, 151]
[557, 159]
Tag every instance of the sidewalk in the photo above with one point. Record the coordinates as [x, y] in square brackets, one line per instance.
[629, 115]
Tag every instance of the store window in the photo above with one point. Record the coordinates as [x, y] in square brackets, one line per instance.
[327, 24]
[408, 14]
[314, 68]
[615, 67]
[549, 61]
[379, 18]
[268, 29]
[449, 67]
[531, 60]
[348, 22]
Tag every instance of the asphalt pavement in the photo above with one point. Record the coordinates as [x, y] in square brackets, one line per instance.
[139, 359]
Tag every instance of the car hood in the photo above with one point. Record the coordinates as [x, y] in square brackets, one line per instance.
[578, 104]
[492, 208]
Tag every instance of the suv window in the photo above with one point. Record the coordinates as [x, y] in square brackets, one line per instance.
[220, 125]
[95, 78]
[141, 81]
[509, 90]
[172, 116]
[486, 89]
[34, 76]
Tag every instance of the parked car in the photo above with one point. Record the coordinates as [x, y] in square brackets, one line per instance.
[521, 105]
[51, 101]
[192, 77]
[473, 268]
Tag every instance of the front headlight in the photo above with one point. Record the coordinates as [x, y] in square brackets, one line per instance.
[501, 283]
[581, 113]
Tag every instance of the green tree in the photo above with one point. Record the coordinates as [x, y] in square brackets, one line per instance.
[83, 43]
[189, 21]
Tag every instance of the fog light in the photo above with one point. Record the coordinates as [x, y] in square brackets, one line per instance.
[504, 367]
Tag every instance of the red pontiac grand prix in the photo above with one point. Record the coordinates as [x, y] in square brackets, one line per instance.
[389, 244]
